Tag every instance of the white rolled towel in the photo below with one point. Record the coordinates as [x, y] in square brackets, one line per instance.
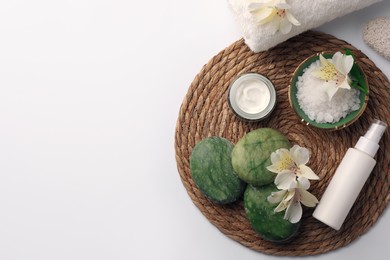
[261, 36]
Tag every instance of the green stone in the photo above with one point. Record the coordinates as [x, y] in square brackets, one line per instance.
[251, 155]
[270, 225]
[212, 170]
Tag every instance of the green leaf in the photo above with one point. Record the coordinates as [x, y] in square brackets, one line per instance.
[357, 77]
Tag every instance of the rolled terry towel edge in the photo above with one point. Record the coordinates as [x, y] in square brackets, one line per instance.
[310, 13]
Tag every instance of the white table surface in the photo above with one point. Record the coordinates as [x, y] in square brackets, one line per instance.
[89, 96]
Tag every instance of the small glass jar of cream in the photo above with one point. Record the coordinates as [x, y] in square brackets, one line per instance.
[252, 97]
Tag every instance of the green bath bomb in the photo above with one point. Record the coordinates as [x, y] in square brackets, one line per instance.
[270, 225]
[252, 155]
[212, 170]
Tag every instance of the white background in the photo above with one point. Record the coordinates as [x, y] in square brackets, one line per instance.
[89, 96]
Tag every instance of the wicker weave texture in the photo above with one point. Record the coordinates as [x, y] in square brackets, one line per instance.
[205, 112]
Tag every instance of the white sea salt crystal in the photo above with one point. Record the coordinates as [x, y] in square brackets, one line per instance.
[315, 103]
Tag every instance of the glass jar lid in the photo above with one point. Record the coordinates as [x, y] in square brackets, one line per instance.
[252, 96]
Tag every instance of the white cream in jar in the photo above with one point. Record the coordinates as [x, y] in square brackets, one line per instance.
[252, 96]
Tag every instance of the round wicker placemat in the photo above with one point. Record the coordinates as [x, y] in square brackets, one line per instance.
[205, 112]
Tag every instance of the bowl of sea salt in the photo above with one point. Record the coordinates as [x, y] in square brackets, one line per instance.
[309, 97]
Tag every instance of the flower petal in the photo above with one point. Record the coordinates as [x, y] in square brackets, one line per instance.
[273, 168]
[348, 63]
[318, 73]
[300, 155]
[284, 180]
[281, 161]
[305, 171]
[303, 183]
[276, 197]
[292, 19]
[293, 212]
[342, 62]
[274, 24]
[290, 194]
[275, 156]
[286, 201]
[330, 90]
[282, 206]
[326, 71]
[345, 84]
[263, 15]
[324, 61]
[308, 199]
[293, 184]
[285, 26]
[337, 60]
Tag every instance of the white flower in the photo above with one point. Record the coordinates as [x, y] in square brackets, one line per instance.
[293, 181]
[290, 165]
[291, 199]
[274, 12]
[335, 72]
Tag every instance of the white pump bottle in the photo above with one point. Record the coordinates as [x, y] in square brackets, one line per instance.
[349, 178]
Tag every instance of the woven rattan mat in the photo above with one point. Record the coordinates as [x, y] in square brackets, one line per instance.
[205, 112]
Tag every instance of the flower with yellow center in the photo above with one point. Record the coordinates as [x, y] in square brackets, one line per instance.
[291, 199]
[335, 72]
[275, 13]
[293, 181]
[290, 165]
